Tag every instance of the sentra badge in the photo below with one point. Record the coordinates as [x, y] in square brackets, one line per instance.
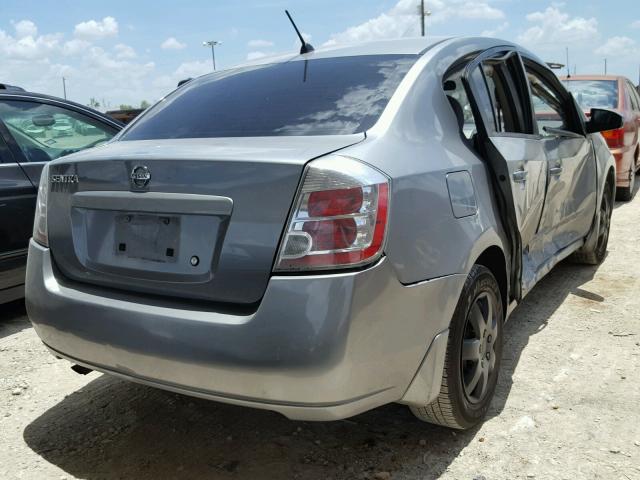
[64, 178]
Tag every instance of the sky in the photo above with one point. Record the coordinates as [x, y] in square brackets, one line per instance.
[123, 52]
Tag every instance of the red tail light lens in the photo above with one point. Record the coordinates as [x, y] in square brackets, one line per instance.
[340, 217]
[614, 138]
[328, 203]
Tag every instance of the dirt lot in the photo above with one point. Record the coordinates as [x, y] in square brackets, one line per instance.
[567, 405]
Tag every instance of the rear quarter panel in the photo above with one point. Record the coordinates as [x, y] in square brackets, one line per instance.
[417, 143]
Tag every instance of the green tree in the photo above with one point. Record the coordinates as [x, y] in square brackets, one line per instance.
[124, 106]
[93, 103]
[144, 104]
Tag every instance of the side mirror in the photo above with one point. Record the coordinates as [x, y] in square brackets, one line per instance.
[43, 120]
[603, 120]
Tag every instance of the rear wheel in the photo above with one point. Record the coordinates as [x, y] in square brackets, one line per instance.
[595, 256]
[473, 355]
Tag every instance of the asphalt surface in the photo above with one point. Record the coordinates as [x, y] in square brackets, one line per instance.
[567, 405]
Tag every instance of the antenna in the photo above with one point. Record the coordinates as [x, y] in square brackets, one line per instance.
[306, 47]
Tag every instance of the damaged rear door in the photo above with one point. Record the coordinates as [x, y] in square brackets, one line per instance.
[497, 87]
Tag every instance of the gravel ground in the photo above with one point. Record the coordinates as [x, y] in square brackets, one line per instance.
[567, 405]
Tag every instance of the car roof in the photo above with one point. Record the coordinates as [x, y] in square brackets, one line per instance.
[593, 77]
[400, 46]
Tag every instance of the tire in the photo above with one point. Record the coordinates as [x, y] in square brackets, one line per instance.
[460, 405]
[625, 194]
[597, 254]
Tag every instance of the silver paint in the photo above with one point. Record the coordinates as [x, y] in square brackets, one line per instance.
[320, 346]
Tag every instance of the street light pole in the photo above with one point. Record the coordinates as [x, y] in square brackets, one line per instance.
[423, 13]
[605, 66]
[64, 87]
[212, 44]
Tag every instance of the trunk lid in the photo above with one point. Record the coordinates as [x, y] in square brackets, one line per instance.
[188, 218]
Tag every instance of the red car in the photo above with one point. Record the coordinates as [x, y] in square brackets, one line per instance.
[619, 94]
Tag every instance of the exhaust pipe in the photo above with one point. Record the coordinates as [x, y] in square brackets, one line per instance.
[80, 369]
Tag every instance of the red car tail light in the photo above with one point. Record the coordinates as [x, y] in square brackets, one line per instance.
[614, 138]
[339, 219]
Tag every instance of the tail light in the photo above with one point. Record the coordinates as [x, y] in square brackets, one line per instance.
[614, 138]
[339, 218]
[40, 230]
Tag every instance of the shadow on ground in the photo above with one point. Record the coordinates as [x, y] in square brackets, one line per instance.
[532, 316]
[13, 318]
[115, 429]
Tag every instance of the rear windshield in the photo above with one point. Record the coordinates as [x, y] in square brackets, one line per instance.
[329, 96]
[594, 93]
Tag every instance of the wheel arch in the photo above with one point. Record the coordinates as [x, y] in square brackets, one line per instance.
[495, 260]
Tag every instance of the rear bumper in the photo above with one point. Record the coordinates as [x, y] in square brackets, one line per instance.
[319, 347]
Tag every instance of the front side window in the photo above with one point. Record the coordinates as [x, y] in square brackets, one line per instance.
[547, 105]
[594, 93]
[327, 96]
[46, 132]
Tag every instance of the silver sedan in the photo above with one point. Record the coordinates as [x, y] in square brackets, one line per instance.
[324, 233]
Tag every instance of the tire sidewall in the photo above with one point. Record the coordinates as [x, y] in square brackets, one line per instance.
[601, 249]
[480, 280]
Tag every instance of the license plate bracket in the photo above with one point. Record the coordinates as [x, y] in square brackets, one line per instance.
[155, 238]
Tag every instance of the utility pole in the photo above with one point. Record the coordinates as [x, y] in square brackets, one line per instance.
[212, 44]
[423, 13]
[568, 68]
[64, 87]
[605, 66]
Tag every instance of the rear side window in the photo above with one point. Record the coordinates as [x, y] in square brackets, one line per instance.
[594, 93]
[499, 98]
[460, 103]
[330, 96]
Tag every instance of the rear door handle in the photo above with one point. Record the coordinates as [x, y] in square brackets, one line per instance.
[520, 176]
[555, 171]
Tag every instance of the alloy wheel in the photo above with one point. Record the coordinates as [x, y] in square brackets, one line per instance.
[478, 347]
